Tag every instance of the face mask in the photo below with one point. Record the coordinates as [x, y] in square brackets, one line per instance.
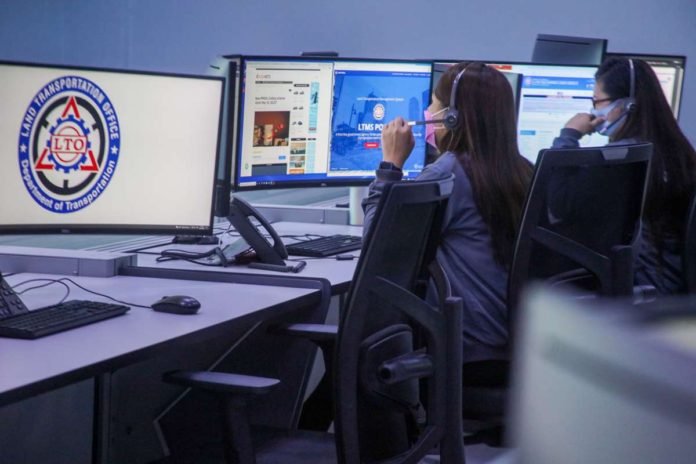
[608, 128]
[430, 128]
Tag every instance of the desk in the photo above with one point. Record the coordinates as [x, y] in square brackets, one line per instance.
[31, 367]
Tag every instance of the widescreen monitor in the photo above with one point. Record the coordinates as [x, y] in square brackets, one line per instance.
[669, 71]
[549, 96]
[318, 121]
[89, 150]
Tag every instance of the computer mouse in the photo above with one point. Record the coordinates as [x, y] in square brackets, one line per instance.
[177, 304]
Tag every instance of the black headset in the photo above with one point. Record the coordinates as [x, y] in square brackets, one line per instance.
[631, 103]
[451, 120]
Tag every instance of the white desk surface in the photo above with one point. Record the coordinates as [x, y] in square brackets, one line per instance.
[339, 273]
[95, 348]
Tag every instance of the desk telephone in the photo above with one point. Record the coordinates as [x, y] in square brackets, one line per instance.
[10, 303]
[272, 256]
[240, 217]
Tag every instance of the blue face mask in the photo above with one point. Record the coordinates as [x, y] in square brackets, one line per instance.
[608, 128]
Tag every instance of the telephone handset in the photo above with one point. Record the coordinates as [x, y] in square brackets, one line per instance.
[10, 304]
[240, 212]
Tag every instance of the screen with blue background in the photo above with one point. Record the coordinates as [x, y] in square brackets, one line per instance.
[363, 102]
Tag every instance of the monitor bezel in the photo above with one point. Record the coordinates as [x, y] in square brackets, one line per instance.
[127, 229]
[523, 63]
[353, 182]
[514, 63]
[647, 56]
[225, 182]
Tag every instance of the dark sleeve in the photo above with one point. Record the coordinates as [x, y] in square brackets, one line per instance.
[568, 138]
[369, 204]
[442, 167]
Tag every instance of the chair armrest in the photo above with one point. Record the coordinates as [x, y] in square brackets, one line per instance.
[416, 365]
[318, 333]
[222, 382]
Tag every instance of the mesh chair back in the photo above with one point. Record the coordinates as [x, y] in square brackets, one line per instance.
[582, 216]
[400, 244]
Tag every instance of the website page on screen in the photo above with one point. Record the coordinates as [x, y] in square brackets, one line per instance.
[550, 96]
[315, 121]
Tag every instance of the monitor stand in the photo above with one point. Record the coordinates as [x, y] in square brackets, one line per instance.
[355, 212]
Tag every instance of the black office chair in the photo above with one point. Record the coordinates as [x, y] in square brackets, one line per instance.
[378, 361]
[689, 252]
[580, 229]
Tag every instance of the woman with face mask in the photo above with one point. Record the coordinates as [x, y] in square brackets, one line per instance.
[491, 180]
[629, 106]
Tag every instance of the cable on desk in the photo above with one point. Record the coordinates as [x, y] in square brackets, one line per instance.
[172, 254]
[62, 281]
[46, 283]
[161, 259]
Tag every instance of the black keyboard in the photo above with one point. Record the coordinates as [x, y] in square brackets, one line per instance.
[57, 318]
[325, 246]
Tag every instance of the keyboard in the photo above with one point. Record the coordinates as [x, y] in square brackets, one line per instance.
[57, 318]
[325, 246]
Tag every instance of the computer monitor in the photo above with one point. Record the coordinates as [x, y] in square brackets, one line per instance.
[106, 151]
[550, 95]
[318, 121]
[670, 72]
[563, 49]
[226, 67]
[604, 383]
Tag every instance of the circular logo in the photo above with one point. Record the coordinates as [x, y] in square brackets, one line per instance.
[69, 143]
[378, 112]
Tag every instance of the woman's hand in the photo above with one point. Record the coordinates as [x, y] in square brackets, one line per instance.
[584, 123]
[397, 142]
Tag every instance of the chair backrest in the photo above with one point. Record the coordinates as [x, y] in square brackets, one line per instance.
[582, 216]
[374, 421]
[689, 252]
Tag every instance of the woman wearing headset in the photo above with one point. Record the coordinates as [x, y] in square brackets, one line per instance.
[471, 121]
[629, 106]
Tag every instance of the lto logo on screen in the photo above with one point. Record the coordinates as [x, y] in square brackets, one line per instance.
[378, 112]
[69, 144]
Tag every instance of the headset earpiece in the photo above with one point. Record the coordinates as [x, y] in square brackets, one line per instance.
[451, 119]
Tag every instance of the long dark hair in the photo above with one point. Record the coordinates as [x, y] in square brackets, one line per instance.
[673, 165]
[485, 143]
